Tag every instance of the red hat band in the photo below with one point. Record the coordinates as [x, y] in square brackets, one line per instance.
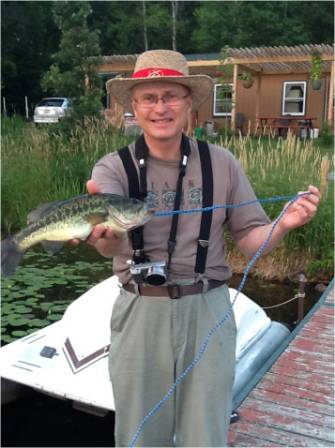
[158, 72]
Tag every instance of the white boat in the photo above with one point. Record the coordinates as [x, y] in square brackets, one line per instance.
[69, 359]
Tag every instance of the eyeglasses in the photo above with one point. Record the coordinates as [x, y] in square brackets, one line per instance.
[170, 99]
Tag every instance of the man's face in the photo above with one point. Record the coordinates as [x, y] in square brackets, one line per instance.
[161, 109]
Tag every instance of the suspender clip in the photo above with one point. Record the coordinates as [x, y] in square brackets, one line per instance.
[203, 243]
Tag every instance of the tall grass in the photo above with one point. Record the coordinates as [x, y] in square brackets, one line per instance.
[45, 164]
[285, 167]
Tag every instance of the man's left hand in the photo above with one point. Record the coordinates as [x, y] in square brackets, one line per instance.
[302, 210]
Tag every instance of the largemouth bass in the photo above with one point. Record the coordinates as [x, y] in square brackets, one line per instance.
[55, 223]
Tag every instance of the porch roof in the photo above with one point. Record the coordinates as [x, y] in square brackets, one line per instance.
[282, 59]
[267, 60]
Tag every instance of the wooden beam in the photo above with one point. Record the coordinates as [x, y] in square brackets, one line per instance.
[270, 59]
[330, 115]
[201, 63]
[115, 67]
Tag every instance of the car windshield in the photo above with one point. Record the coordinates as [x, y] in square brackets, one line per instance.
[51, 102]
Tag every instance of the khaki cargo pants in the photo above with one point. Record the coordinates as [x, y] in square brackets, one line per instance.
[153, 340]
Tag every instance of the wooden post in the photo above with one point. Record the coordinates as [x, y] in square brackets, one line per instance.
[233, 98]
[330, 115]
[302, 285]
[26, 107]
[258, 95]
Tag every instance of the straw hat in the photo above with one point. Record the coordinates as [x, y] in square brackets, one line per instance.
[161, 65]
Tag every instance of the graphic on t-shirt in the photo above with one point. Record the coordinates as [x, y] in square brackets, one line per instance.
[168, 196]
[194, 194]
[165, 199]
[153, 198]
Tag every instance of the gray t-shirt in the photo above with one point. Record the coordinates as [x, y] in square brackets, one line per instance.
[231, 186]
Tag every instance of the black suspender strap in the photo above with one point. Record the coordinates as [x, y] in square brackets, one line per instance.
[129, 166]
[134, 192]
[141, 154]
[207, 201]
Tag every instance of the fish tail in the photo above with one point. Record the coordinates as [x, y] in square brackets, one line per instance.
[11, 256]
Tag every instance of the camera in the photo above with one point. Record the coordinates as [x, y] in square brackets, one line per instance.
[154, 273]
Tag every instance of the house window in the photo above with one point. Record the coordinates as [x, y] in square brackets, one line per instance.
[294, 98]
[222, 104]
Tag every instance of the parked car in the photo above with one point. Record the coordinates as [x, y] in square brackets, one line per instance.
[51, 110]
[130, 124]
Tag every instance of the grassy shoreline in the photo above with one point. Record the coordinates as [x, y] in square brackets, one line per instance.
[40, 165]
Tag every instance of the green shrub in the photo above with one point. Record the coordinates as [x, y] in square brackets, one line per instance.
[326, 135]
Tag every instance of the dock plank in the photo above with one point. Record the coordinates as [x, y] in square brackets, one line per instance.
[292, 415]
[239, 439]
[309, 364]
[287, 423]
[293, 404]
[288, 400]
[296, 392]
[312, 377]
[275, 437]
[302, 383]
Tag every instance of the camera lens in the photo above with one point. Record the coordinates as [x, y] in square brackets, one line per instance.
[156, 276]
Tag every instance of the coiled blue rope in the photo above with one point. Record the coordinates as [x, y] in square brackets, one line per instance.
[228, 314]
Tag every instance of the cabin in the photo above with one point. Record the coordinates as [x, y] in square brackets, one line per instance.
[266, 90]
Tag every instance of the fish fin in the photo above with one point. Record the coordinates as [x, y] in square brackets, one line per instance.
[11, 256]
[96, 218]
[52, 247]
[38, 212]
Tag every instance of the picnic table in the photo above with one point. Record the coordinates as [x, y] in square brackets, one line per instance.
[283, 123]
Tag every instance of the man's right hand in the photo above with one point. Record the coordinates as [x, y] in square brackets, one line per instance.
[105, 241]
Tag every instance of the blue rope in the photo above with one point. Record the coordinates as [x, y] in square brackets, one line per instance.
[228, 314]
[215, 207]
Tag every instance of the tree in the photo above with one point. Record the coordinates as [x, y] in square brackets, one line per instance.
[29, 37]
[261, 23]
[174, 5]
[121, 26]
[73, 74]
[145, 29]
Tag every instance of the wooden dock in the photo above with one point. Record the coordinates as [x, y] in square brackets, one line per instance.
[293, 404]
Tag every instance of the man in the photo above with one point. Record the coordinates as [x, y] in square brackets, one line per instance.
[159, 323]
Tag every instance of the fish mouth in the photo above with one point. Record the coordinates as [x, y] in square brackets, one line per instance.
[129, 225]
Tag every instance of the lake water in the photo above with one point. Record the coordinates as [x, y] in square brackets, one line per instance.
[43, 287]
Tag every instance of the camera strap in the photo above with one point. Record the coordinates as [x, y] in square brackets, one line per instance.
[138, 190]
[185, 152]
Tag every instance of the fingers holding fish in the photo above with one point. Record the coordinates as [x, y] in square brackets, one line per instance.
[99, 235]
[92, 187]
[106, 241]
[100, 232]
